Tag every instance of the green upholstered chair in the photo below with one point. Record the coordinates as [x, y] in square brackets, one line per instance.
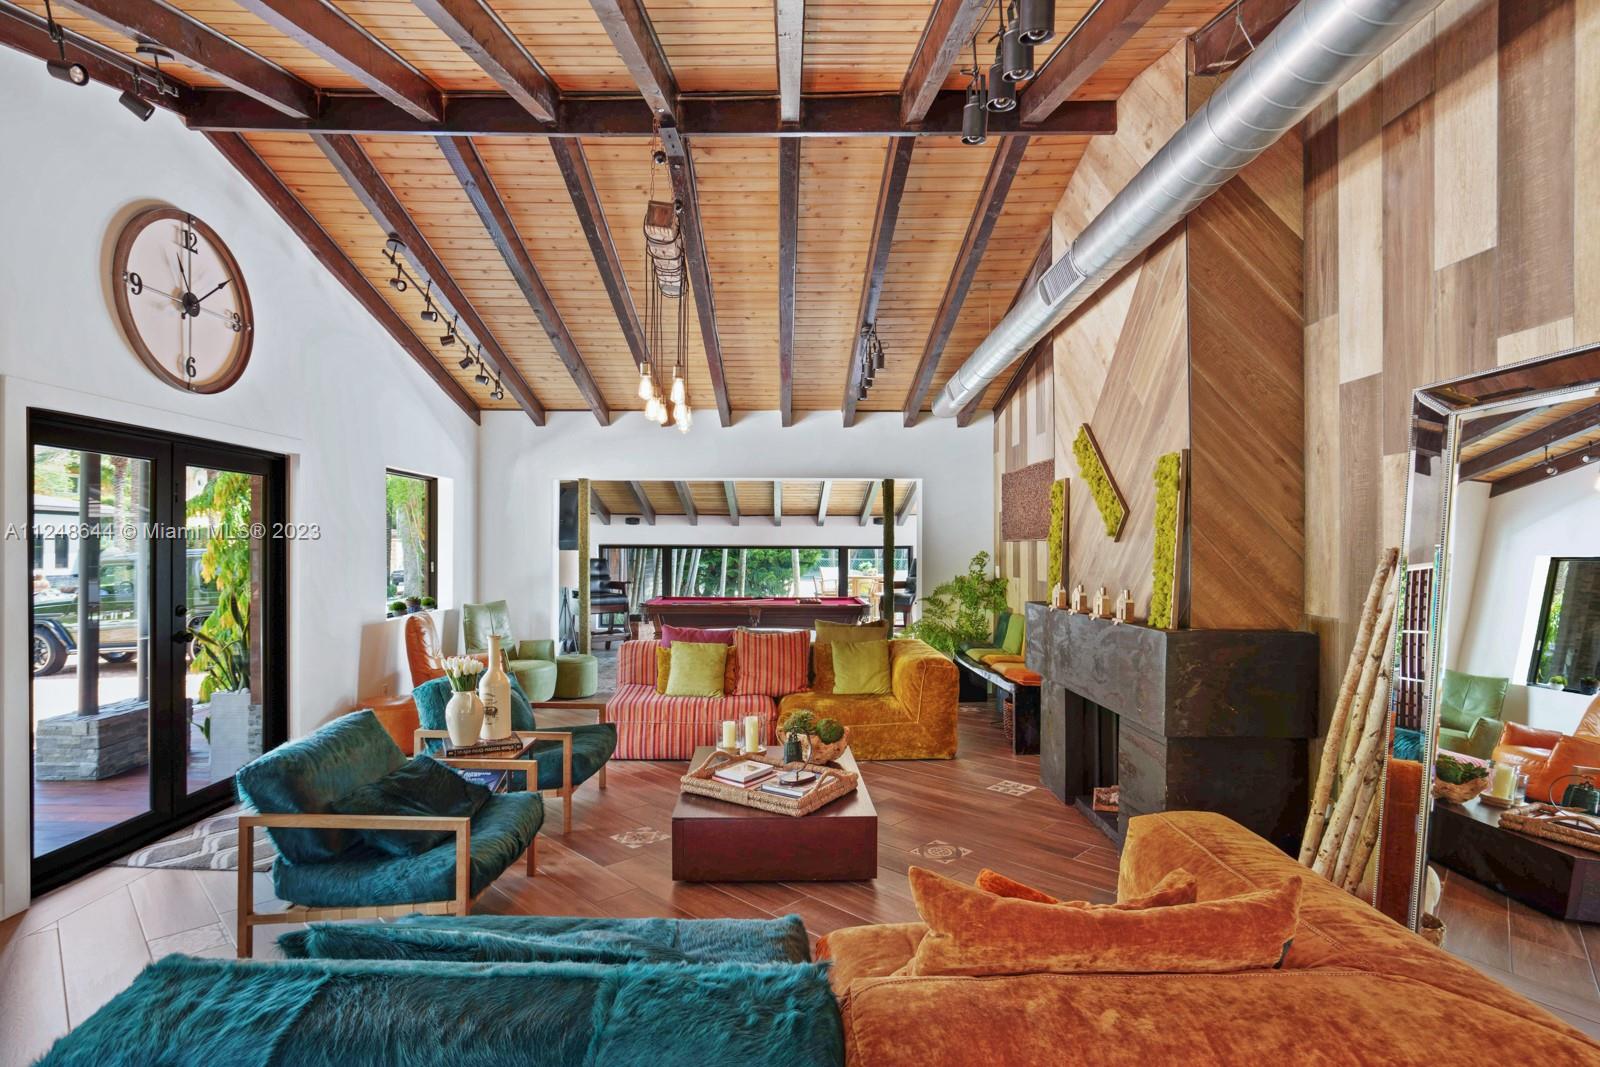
[533, 663]
[1469, 712]
[565, 758]
[997, 640]
[323, 869]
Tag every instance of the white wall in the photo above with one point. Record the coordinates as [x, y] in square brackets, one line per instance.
[522, 465]
[325, 386]
[1522, 530]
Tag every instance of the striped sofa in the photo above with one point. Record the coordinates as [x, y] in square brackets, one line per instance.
[652, 726]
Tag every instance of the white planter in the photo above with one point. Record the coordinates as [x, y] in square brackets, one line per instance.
[230, 733]
[463, 717]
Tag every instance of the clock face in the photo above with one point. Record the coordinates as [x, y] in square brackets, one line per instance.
[182, 301]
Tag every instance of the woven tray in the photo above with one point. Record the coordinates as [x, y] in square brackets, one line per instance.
[1538, 820]
[700, 782]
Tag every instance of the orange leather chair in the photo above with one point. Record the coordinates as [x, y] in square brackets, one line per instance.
[1548, 755]
[423, 653]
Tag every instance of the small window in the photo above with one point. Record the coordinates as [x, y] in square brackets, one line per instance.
[412, 534]
[1566, 647]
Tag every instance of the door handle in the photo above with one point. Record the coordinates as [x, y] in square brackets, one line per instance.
[183, 637]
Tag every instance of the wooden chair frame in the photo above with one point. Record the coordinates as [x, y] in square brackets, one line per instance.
[528, 766]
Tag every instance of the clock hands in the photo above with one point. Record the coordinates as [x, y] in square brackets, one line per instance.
[182, 276]
[214, 288]
[226, 316]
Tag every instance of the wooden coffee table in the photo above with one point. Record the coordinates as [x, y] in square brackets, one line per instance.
[716, 841]
[1558, 879]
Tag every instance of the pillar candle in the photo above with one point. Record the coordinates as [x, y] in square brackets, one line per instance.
[730, 735]
[752, 732]
[1503, 781]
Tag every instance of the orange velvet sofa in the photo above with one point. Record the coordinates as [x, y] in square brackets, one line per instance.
[916, 719]
[1548, 756]
[1355, 987]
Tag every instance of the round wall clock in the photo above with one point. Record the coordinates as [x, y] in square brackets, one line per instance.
[182, 300]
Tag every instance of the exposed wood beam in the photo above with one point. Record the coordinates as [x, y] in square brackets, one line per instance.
[686, 498]
[866, 505]
[729, 491]
[822, 502]
[1482, 426]
[477, 32]
[598, 507]
[645, 508]
[1041, 263]
[947, 32]
[1002, 169]
[1534, 475]
[1097, 37]
[710, 115]
[592, 217]
[909, 501]
[896, 164]
[332, 37]
[26, 33]
[777, 503]
[635, 40]
[204, 49]
[479, 186]
[244, 159]
[373, 191]
[789, 23]
[788, 255]
[681, 167]
[1227, 39]
[1584, 420]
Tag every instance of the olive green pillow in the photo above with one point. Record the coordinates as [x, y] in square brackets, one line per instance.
[841, 632]
[1013, 639]
[697, 669]
[861, 667]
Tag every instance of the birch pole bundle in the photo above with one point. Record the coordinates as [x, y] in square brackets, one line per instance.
[1338, 728]
[1364, 777]
[1367, 841]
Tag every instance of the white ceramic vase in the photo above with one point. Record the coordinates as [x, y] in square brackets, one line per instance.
[463, 718]
[494, 690]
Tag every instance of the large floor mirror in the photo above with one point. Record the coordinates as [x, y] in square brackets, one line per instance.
[1495, 721]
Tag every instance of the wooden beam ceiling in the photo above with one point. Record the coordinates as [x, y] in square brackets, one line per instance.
[26, 32]
[484, 38]
[788, 254]
[1565, 464]
[598, 507]
[1582, 421]
[789, 25]
[730, 491]
[681, 166]
[949, 28]
[645, 507]
[891, 187]
[574, 166]
[991, 199]
[635, 40]
[907, 503]
[358, 171]
[1226, 40]
[1108, 26]
[326, 250]
[329, 35]
[475, 181]
[822, 501]
[1484, 425]
[204, 49]
[871, 498]
[686, 498]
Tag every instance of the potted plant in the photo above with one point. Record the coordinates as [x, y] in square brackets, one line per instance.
[1558, 681]
[962, 610]
[222, 656]
[828, 740]
[1589, 685]
[428, 603]
[396, 607]
[798, 725]
[463, 715]
[413, 605]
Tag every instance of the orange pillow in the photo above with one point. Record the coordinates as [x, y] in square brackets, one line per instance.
[1177, 887]
[971, 932]
[1556, 774]
[772, 663]
[730, 673]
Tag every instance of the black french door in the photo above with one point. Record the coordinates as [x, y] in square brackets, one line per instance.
[157, 630]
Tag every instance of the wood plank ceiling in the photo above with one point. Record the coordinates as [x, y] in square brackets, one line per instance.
[802, 498]
[559, 296]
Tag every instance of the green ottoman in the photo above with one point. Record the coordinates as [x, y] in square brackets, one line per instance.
[577, 676]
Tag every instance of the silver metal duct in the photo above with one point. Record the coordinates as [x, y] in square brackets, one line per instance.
[1316, 48]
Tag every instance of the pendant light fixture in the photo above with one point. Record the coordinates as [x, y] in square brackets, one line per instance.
[1002, 92]
[1016, 55]
[666, 278]
[974, 121]
[1037, 20]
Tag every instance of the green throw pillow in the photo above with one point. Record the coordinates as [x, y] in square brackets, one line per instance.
[697, 669]
[861, 667]
[845, 632]
[421, 786]
[1013, 640]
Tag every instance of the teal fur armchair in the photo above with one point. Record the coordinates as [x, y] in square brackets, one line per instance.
[1469, 713]
[533, 663]
[325, 870]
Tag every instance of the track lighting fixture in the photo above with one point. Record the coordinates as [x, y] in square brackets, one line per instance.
[471, 349]
[428, 314]
[449, 337]
[1036, 20]
[465, 362]
[74, 73]
[1016, 55]
[498, 392]
[974, 123]
[482, 377]
[141, 109]
[1002, 92]
[1550, 469]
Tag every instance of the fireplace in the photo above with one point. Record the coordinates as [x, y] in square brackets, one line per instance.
[1215, 720]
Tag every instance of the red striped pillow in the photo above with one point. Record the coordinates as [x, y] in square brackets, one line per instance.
[773, 663]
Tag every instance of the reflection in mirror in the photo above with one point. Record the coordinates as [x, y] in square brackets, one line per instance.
[1496, 656]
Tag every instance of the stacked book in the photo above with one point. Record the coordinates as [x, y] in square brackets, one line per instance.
[794, 792]
[745, 773]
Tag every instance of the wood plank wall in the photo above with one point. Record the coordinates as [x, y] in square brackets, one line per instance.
[1452, 223]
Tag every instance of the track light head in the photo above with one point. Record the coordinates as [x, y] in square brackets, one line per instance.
[429, 315]
[974, 126]
[465, 362]
[140, 109]
[482, 377]
[75, 73]
[1016, 57]
[1037, 20]
[1002, 91]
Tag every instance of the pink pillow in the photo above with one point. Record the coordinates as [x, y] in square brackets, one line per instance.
[694, 635]
[772, 663]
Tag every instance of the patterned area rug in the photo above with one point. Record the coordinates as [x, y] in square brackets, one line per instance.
[209, 845]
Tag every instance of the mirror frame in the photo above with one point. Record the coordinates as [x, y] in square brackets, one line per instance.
[1437, 413]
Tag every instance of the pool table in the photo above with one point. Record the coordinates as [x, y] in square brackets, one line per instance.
[771, 612]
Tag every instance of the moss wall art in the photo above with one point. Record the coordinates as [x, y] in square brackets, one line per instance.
[1164, 565]
[1058, 531]
[1107, 498]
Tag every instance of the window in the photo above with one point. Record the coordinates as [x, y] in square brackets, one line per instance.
[411, 536]
[733, 570]
[1566, 646]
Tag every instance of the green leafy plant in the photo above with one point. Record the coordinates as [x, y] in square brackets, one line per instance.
[397, 607]
[221, 655]
[429, 602]
[1559, 679]
[1458, 772]
[799, 724]
[1058, 515]
[829, 731]
[1113, 513]
[1169, 478]
[962, 610]
[1589, 683]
